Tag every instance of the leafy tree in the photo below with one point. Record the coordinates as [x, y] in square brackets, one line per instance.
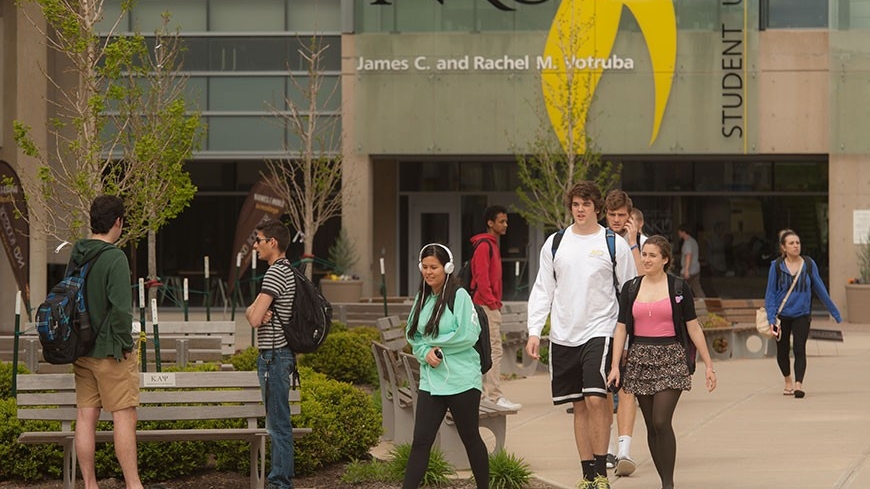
[308, 178]
[120, 126]
[160, 136]
[561, 153]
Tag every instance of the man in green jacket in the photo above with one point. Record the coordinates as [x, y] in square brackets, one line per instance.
[107, 378]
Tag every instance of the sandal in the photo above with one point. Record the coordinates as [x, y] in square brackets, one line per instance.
[788, 392]
[799, 394]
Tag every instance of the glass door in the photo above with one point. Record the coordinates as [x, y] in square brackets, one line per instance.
[432, 218]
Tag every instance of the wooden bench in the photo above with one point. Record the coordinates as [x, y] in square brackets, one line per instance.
[515, 335]
[367, 313]
[226, 330]
[491, 417]
[217, 395]
[741, 339]
[397, 404]
[174, 350]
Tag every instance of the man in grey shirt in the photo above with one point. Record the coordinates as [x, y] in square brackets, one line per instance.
[691, 266]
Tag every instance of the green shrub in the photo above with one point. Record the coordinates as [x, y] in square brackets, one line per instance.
[245, 360]
[337, 327]
[6, 378]
[438, 473]
[345, 424]
[26, 462]
[346, 356]
[360, 472]
[507, 471]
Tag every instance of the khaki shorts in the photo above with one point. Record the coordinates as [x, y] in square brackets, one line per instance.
[107, 383]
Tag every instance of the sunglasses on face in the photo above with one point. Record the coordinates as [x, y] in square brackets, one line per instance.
[259, 240]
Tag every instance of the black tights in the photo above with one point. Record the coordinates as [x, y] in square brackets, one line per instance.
[800, 328]
[658, 414]
[430, 412]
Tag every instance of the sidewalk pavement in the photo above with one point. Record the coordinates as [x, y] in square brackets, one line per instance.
[744, 434]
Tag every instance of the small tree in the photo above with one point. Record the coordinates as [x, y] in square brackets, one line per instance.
[160, 136]
[141, 159]
[561, 152]
[309, 179]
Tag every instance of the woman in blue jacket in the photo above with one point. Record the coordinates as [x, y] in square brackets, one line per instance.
[442, 338]
[794, 320]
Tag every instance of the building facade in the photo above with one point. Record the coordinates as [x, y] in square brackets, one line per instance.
[737, 117]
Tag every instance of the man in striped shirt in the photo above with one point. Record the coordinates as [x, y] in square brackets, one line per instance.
[272, 306]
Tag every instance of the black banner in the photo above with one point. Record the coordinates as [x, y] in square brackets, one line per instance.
[14, 229]
[261, 205]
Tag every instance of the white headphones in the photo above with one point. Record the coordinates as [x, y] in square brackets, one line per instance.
[448, 267]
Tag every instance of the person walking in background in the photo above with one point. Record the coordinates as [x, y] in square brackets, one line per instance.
[107, 378]
[619, 210]
[691, 264]
[442, 329]
[637, 218]
[658, 324]
[794, 319]
[275, 361]
[575, 289]
[486, 290]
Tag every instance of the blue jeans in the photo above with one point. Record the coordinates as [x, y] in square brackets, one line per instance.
[274, 368]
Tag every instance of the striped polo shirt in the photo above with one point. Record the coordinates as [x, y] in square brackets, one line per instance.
[280, 284]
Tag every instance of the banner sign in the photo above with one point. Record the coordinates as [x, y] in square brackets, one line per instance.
[261, 205]
[14, 230]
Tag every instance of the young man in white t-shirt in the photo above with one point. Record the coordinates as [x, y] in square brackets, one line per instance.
[575, 288]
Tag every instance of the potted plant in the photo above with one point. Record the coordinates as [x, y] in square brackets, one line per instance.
[858, 289]
[341, 285]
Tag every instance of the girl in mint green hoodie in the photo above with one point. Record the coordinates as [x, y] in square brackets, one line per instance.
[443, 338]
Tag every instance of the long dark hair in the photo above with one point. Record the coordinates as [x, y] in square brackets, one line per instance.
[448, 294]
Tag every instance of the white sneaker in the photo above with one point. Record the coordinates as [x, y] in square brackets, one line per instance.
[625, 466]
[504, 403]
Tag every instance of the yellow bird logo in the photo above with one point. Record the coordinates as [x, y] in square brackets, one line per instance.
[586, 29]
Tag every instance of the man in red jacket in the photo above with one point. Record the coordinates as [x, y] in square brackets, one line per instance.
[486, 290]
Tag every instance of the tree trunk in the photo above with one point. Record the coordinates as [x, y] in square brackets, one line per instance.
[308, 251]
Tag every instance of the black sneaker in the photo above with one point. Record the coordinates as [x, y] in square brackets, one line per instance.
[611, 461]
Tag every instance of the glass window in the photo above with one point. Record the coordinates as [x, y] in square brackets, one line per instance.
[785, 14]
[247, 54]
[189, 15]
[328, 97]
[853, 14]
[195, 54]
[800, 177]
[314, 16]
[244, 134]
[195, 92]
[111, 12]
[327, 135]
[331, 55]
[247, 16]
[245, 93]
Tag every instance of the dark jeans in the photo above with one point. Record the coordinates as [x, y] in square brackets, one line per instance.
[798, 327]
[430, 412]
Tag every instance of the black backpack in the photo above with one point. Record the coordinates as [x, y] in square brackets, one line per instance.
[62, 321]
[465, 275]
[483, 346]
[688, 345]
[311, 320]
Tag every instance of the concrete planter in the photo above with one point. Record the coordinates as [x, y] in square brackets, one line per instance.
[341, 290]
[858, 303]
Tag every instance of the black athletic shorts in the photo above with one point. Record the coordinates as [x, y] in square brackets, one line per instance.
[578, 371]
